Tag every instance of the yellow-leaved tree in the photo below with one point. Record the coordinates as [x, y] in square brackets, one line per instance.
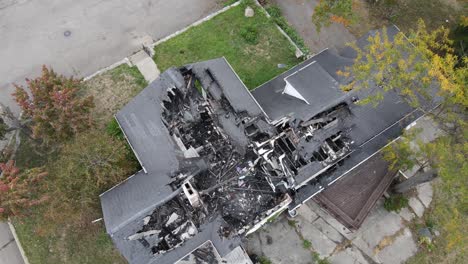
[422, 67]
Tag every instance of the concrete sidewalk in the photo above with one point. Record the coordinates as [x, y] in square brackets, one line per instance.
[79, 38]
[9, 251]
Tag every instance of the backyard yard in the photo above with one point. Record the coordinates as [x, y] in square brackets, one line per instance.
[111, 90]
[252, 45]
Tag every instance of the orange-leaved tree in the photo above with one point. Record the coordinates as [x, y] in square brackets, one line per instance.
[19, 191]
[56, 107]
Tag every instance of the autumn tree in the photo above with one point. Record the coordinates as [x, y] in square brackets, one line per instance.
[87, 166]
[329, 11]
[421, 67]
[55, 106]
[19, 191]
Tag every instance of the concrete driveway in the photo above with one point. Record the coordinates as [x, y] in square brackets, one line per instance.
[101, 32]
[299, 15]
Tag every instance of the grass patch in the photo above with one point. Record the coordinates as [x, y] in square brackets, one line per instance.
[292, 223]
[306, 244]
[72, 247]
[113, 130]
[274, 217]
[448, 215]
[318, 260]
[113, 89]
[395, 203]
[222, 36]
[250, 35]
[404, 13]
[30, 154]
[45, 242]
[264, 260]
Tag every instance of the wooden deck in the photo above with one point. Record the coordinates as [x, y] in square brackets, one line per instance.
[355, 194]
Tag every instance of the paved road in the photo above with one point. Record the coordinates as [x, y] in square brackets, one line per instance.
[101, 33]
[32, 33]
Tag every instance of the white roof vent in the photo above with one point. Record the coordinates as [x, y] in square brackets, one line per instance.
[290, 90]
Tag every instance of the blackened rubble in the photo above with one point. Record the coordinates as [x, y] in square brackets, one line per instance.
[210, 130]
[218, 160]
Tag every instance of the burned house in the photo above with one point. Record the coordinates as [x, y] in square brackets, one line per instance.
[218, 160]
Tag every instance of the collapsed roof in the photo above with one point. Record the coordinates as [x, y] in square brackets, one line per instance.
[218, 160]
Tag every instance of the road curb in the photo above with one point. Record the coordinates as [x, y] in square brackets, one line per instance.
[18, 243]
[110, 67]
[152, 45]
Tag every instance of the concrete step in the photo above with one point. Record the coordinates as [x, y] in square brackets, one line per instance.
[145, 65]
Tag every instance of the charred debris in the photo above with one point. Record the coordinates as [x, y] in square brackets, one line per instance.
[236, 166]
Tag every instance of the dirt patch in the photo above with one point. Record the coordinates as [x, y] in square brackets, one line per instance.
[113, 89]
[388, 240]
[366, 21]
[262, 49]
[405, 13]
[456, 4]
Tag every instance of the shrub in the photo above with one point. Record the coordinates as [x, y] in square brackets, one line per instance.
[430, 223]
[395, 203]
[264, 260]
[250, 35]
[427, 243]
[306, 244]
[292, 223]
[55, 106]
[278, 19]
[274, 11]
[318, 260]
[113, 129]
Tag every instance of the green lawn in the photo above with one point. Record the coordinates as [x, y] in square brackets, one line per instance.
[221, 36]
[93, 246]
